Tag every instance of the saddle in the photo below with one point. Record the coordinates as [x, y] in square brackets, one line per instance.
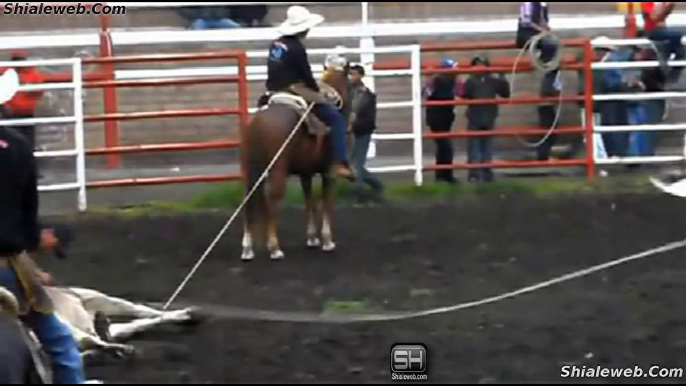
[298, 97]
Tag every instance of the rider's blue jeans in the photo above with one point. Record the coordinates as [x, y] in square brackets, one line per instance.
[54, 336]
[336, 121]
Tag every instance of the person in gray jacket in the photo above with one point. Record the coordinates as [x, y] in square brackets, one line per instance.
[363, 126]
[482, 117]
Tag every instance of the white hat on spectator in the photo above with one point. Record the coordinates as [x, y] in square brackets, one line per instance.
[603, 43]
[299, 19]
[9, 85]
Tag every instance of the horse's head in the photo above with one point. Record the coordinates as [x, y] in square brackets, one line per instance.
[8, 304]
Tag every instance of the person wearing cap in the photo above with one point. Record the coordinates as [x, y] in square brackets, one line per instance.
[482, 117]
[23, 105]
[654, 16]
[20, 234]
[288, 69]
[534, 19]
[442, 87]
[363, 126]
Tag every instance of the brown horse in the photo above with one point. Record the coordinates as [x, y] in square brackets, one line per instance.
[306, 155]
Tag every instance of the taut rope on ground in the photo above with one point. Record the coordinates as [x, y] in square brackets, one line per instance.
[333, 318]
[238, 210]
[545, 68]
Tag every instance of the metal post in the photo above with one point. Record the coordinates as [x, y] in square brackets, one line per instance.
[79, 135]
[588, 110]
[418, 154]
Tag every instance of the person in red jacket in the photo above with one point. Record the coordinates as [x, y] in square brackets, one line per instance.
[23, 104]
[654, 16]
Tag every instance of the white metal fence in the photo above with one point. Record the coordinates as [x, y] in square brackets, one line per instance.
[641, 96]
[75, 119]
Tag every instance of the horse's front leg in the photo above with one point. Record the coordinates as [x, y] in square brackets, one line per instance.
[328, 244]
[310, 212]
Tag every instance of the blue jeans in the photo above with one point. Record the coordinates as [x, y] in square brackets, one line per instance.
[480, 150]
[641, 143]
[336, 121]
[674, 46]
[359, 159]
[201, 24]
[54, 336]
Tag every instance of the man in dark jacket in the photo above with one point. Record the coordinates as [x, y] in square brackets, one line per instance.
[19, 234]
[534, 18]
[482, 117]
[288, 69]
[363, 126]
[442, 87]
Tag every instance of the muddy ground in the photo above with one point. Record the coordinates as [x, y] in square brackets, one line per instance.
[405, 257]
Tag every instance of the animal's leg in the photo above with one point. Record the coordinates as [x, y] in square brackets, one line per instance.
[328, 244]
[310, 212]
[276, 189]
[95, 301]
[248, 252]
[121, 331]
[89, 342]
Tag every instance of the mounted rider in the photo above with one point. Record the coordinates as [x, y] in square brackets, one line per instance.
[288, 69]
[20, 233]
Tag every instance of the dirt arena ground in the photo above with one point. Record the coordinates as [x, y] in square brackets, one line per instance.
[405, 257]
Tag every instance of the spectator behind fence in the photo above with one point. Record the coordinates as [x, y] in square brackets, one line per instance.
[482, 117]
[442, 87]
[363, 126]
[534, 19]
[23, 104]
[551, 86]
[616, 112]
[668, 41]
[208, 17]
[249, 15]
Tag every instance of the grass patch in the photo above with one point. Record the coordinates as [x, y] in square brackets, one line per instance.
[347, 306]
[229, 195]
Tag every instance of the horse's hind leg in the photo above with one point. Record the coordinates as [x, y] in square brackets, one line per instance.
[95, 301]
[248, 253]
[310, 212]
[328, 244]
[276, 189]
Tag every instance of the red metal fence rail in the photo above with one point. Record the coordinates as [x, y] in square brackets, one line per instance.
[98, 80]
[506, 66]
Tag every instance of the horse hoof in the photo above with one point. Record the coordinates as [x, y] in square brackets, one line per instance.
[277, 255]
[313, 242]
[247, 255]
[329, 246]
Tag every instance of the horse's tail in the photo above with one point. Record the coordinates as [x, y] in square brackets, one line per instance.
[8, 303]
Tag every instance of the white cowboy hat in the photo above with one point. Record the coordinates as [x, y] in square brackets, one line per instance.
[299, 19]
[9, 85]
[603, 43]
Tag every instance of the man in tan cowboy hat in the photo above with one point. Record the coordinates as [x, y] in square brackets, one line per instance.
[288, 68]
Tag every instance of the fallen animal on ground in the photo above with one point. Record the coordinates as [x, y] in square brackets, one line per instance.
[88, 313]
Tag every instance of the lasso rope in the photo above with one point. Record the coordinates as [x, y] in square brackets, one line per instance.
[545, 68]
[238, 210]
